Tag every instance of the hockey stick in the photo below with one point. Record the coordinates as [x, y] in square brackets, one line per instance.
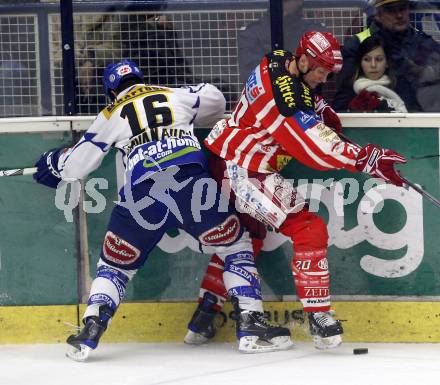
[426, 194]
[425, 156]
[19, 171]
[420, 190]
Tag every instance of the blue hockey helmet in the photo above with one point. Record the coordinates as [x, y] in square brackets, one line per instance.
[114, 73]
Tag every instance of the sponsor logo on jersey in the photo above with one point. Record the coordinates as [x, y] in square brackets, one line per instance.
[241, 257]
[320, 42]
[224, 234]
[216, 131]
[323, 264]
[279, 52]
[287, 196]
[101, 298]
[162, 151]
[260, 213]
[242, 273]
[305, 118]
[247, 209]
[316, 292]
[254, 86]
[155, 134]
[306, 96]
[317, 301]
[284, 84]
[326, 133]
[118, 251]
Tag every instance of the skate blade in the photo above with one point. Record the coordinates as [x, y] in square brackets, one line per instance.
[327, 343]
[192, 338]
[79, 355]
[252, 344]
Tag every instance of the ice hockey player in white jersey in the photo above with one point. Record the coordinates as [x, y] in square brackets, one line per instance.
[153, 127]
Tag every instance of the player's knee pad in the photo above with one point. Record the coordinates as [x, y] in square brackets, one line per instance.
[241, 276]
[213, 282]
[108, 288]
[307, 230]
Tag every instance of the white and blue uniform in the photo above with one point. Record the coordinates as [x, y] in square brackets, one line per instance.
[166, 186]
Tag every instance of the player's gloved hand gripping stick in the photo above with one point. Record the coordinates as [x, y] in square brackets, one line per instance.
[379, 162]
[46, 171]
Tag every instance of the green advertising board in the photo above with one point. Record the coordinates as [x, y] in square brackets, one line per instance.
[37, 244]
[389, 252]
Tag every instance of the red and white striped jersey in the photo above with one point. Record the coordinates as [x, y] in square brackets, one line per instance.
[275, 121]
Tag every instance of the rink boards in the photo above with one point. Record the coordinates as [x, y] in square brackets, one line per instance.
[384, 264]
[166, 322]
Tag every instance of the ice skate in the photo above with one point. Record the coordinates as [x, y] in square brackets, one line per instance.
[255, 335]
[80, 345]
[326, 331]
[201, 328]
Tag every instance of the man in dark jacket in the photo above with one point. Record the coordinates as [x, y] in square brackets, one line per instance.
[255, 40]
[414, 55]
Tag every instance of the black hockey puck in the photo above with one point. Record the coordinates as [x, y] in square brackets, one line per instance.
[360, 351]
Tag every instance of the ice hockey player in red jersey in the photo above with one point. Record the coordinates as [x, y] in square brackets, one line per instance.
[277, 118]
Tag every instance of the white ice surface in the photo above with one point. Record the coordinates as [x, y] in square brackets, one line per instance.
[221, 364]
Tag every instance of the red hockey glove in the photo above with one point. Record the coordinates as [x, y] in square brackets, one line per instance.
[327, 114]
[379, 162]
[365, 102]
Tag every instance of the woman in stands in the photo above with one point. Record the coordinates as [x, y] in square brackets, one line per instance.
[374, 82]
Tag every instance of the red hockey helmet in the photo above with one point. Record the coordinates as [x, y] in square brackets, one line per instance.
[322, 49]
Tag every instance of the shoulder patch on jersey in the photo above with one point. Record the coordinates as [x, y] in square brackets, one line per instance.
[132, 95]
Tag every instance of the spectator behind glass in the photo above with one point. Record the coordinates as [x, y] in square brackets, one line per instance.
[255, 40]
[374, 81]
[97, 41]
[414, 54]
[153, 43]
[147, 38]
